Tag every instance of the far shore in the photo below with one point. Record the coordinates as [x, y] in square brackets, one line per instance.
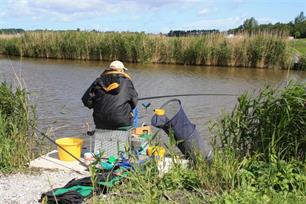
[244, 50]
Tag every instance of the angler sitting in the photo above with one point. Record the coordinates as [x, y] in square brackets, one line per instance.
[113, 97]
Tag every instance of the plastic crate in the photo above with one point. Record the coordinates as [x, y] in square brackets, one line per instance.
[111, 142]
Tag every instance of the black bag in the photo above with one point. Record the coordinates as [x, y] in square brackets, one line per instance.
[75, 197]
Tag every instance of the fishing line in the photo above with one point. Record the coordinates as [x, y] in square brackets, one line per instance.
[183, 95]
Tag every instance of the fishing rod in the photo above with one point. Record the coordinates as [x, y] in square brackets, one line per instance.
[52, 141]
[181, 95]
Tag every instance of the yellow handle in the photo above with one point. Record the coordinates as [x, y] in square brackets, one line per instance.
[159, 112]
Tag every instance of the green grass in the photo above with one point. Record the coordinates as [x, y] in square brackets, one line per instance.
[16, 129]
[299, 45]
[229, 180]
[262, 50]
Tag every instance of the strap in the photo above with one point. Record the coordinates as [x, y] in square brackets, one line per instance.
[83, 190]
[116, 72]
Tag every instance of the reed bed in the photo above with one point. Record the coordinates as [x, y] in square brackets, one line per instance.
[16, 129]
[261, 50]
[9, 36]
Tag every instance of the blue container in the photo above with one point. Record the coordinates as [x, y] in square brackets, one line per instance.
[135, 113]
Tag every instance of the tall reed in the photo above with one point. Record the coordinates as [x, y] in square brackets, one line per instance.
[245, 50]
[272, 123]
[16, 129]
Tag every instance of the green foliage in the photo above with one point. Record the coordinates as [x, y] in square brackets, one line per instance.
[301, 29]
[276, 181]
[277, 175]
[248, 195]
[16, 133]
[272, 123]
[11, 47]
[300, 18]
[297, 34]
[299, 46]
[295, 28]
[263, 50]
[250, 24]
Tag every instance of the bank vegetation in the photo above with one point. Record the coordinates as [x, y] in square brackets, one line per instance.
[17, 122]
[259, 157]
[245, 50]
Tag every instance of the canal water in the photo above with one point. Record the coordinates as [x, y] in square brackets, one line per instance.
[56, 88]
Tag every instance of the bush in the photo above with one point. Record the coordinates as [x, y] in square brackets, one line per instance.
[11, 47]
[272, 123]
[16, 129]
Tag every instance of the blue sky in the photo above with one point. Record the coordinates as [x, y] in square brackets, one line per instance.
[144, 15]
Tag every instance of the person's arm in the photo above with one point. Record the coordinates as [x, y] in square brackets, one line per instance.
[88, 97]
[133, 95]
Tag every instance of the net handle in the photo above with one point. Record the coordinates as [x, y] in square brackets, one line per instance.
[172, 100]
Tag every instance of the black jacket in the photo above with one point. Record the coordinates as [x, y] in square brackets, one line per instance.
[112, 97]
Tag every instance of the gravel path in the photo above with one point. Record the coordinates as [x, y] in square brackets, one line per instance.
[27, 188]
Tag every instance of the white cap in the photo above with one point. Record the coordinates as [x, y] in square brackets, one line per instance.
[117, 65]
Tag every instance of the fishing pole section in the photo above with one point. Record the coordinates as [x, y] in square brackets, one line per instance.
[184, 95]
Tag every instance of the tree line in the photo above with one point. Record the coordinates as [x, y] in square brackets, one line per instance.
[296, 28]
[11, 31]
[177, 33]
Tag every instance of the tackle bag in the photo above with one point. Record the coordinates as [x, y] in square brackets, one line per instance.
[77, 190]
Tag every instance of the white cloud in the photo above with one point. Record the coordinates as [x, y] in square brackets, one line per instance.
[161, 3]
[265, 20]
[239, 1]
[68, 10]
[207, 10]
[63, 10]
[204, 11]
[223, 23]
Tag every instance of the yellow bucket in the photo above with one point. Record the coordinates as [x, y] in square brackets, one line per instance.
[72, 145]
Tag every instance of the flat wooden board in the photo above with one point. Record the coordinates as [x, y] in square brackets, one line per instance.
[51, 161]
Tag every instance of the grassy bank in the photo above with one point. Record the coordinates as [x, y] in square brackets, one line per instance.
[260, 158]
[299, 45]
[16, 129]
[263, 50]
